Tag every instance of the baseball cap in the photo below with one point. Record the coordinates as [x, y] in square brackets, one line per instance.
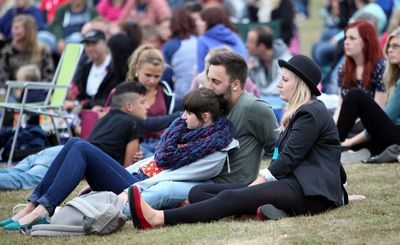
[94, 36]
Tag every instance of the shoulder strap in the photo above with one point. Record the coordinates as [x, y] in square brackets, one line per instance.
[169, 96]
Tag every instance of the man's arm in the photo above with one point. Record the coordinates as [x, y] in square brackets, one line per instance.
[263, 125]
[157, 123]
[131, 149]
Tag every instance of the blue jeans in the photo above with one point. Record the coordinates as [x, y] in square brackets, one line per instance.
[323, 52]
[75, 37]
[148, 146]
[166, 194]
[29, 172]
[48, 38]
[79, 159]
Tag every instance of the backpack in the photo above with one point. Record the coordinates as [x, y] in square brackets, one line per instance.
[30, 139]
[96, 213]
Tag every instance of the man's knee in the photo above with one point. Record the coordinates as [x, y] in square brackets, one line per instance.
[167, 194]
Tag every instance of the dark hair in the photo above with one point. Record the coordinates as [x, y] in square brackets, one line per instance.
[123, 3]
[235, 65]
[205, 100]
[122, 46]
[216, 15]
[194, 6]
[265, 36]
[123, 93]
[133, 31]
[182, 24]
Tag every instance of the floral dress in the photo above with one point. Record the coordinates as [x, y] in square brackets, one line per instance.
[377, 80]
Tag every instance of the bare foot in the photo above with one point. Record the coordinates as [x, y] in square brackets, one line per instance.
[36, 214]
[353, 198]
[27, 210]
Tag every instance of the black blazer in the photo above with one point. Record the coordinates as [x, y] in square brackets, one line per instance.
[108, 83]
[309, 149]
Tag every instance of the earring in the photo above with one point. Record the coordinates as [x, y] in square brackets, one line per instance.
[234, 89]
[136, 75]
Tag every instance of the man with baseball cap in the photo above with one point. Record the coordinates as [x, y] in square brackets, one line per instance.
[94, 36]
[96, 78]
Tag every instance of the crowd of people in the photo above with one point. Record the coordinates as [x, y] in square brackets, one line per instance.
[186, 106]
[357, 57]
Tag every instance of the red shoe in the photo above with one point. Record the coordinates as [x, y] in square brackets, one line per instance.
[136, 209]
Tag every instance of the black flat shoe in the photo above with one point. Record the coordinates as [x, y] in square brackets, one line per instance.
[269, 211]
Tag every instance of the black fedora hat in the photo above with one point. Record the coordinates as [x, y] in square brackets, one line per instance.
[306, 69]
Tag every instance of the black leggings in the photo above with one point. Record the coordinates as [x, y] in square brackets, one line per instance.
[217, 201]
[382, 130]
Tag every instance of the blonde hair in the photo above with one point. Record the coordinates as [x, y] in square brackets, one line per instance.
[299, 98]
[30, 42]
[144, 54]
[392, 72]
[29, 72]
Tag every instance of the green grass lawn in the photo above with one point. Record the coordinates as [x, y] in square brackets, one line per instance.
[310, 29]
[371, 221]
[374, 220]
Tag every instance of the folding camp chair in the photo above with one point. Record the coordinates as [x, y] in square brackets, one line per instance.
[57, 91]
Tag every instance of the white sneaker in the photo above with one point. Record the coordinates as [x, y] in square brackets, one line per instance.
[18, 208]
[348, 157]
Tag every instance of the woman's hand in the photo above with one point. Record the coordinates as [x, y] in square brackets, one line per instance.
[85, 190]
[123, 197]
[258, 181]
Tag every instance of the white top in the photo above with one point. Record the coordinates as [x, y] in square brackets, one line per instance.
[96, 76]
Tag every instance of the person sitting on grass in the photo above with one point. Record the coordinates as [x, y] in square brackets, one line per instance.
[305, 175]
[106, 135]
[28, 173]
[255, 130]
[202, 131]
[382, 126]
[115, 136]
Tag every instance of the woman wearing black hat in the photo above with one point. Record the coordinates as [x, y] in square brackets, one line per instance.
[305, 175]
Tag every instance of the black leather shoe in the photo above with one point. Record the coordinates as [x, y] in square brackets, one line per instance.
[269, 211]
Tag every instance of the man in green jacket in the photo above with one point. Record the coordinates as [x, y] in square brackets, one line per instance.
[69, 20]
[255, 129]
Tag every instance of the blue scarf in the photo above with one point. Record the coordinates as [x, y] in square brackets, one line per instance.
[180, 146]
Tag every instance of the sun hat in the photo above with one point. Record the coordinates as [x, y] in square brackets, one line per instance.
[306, 69]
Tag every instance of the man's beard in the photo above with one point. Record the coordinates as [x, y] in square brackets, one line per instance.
[228, 96]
